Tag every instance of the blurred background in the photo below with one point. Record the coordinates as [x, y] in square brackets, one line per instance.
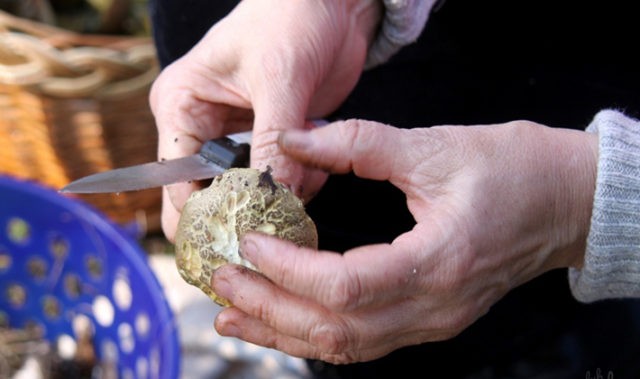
[88, 283]
[128, 17]
[74, 82]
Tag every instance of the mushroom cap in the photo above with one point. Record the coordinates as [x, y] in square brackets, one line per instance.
[215, 218]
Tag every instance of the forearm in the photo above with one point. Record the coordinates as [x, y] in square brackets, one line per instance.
[612, 259]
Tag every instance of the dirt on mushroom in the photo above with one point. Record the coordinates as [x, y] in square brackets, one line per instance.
[214, 220]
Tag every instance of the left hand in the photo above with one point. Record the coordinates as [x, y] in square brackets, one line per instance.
[268, 66]
[495, 206]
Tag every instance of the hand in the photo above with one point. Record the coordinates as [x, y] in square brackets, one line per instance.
[495, 206]
[269, 65]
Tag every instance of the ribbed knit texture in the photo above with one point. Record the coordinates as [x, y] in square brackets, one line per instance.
[612, 259]
[402, 24]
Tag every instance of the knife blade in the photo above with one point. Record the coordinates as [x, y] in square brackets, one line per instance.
[215, 156]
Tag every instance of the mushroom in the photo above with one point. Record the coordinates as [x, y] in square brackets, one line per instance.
[214, 220]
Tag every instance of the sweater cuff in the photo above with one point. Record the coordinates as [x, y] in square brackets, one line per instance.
[612, 258]
[403, 22]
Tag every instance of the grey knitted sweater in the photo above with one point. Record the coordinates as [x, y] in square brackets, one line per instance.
[612, 259]
[402, 24]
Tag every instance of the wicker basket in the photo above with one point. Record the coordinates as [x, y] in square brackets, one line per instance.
[75, 104]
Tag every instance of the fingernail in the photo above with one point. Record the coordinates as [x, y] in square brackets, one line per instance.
[230, 329]
[226, 327]
[294, 139]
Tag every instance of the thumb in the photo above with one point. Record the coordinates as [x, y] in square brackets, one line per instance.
[371, 150]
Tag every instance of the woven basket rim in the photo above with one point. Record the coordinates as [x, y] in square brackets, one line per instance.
[56, 62]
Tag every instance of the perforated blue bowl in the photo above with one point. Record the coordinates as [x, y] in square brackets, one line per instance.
[62, 261]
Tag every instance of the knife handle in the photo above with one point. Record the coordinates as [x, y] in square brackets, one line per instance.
[226, 152]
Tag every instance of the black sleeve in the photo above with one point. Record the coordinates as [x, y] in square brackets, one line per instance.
[179, 24]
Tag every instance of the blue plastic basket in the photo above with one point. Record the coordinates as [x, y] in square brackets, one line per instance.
[61, 260]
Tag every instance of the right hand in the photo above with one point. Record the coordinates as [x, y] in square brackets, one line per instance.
[269, 65]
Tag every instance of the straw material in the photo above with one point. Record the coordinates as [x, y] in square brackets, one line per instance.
[72, 105]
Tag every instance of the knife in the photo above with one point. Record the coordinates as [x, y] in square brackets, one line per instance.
[215, 156]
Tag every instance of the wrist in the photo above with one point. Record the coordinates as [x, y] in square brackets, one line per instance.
[576, 189]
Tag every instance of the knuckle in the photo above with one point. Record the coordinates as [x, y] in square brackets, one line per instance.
[369, 149]
[272, 341]
[262, 311]
[344, 293]
[330, 338]
[358, 132]
[339, 359]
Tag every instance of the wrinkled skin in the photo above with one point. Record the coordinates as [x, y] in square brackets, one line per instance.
[268, 66]
[495, 206]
